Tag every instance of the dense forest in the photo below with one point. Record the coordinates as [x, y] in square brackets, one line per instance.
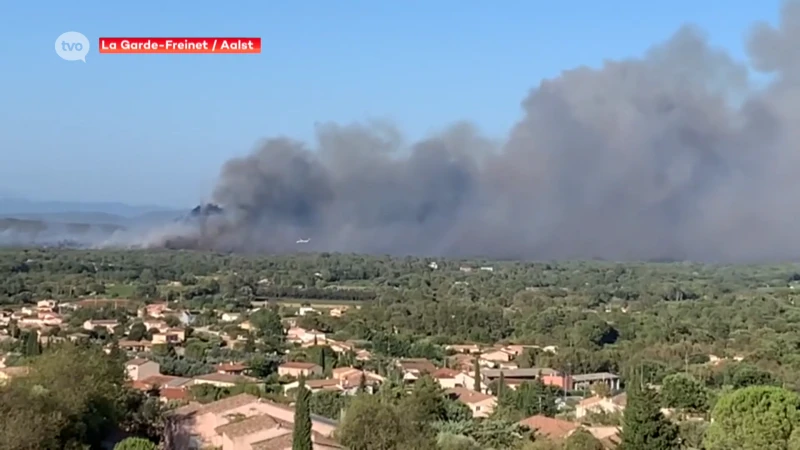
[603, 316]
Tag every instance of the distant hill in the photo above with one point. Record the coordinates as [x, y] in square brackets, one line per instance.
[95, 213]
[16, 206]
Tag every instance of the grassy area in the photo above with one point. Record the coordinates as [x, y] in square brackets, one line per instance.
[317, 303]
[119, 290]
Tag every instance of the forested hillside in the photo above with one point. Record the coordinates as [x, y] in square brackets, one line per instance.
[602, 316]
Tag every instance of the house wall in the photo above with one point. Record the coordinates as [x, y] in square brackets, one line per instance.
[143, 371]
[558, 381]
[497, 356]
[482, 409]
[220, 384]
[449, 383]
[296, 372]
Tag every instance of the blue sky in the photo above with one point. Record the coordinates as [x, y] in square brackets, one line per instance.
[156, 128]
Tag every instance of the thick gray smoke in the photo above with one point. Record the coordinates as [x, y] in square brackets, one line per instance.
[672, 156]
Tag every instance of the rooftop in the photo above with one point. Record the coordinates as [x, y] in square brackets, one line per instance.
[550, 427]
[468, 395]
[299, 365]
[595, 376]
[519, 373]
[250, 425]
[137, 362]
[226, 378]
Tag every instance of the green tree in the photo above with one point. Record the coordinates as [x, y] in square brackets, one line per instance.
[362, 383]
[582, 440]
[371, 423]
[267, 323]
[477, 374]
[644, 426]
[32, 345]
[137, 331]
[327, 404]
[301, 437]
[135, 443]
[756, 417]
[682, 391]
[69, 400]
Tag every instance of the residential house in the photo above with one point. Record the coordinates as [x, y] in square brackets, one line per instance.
[197, 426]
[296, 369]
[223, 380]
[162, 381]
[349, 378]
[156, 324]
[305, 337]
[135, 346]
[265, 432]
[446, 378]
[363, 355]
[467, 380]
[482, 405]
[78, 337]
[549, 427]
[558, 430]
[337, 312]
[306, 310]
[465, 348]
[413, 368]
[139, 369]
[28, 310]
[598, 404]
[585, 381]
[46, 320]
[339, 347]
[246, 325]
[9, 373]
[157, 310]
[231, 368]
[109, 325]
[170, 336]
[462, 362]
[514, 377]
[496, 357]
[47, 306]
[230, 317]
[343, 379]
[170, 389]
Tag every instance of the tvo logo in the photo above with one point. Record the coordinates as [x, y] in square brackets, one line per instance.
[72, 46]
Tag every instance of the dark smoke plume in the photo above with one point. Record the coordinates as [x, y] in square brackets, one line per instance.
[671, 156]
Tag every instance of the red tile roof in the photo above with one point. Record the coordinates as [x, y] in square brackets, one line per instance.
[549, 427]
[444, 373]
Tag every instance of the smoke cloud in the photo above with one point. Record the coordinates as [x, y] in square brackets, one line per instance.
[675, 155]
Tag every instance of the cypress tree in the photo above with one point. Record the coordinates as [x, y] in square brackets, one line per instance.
[322, 359]
[301, 436]
[477, 370]
[501, 385]
[362, 383]
[32, 344]
[644, 427]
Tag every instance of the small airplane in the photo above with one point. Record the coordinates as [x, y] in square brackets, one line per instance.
[303, 241]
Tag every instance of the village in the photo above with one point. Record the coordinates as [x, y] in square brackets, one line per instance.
[470, 373]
